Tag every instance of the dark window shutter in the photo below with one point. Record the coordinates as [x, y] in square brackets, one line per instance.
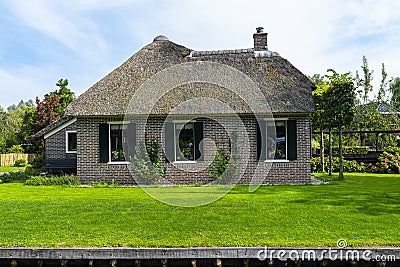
[198, 136]
[291, 140]
[169, 141]
[103, 142]
[131, 140]
[261, 137]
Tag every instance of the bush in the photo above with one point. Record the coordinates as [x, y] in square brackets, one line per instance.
[38, 162]
[348, 165]
[69, 180]
[16, 149]
[20, 176]
[351, 150]
[388, 163]
[20, 163]
[392, 150]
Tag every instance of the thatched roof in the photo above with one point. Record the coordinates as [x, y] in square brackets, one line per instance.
[286, 89]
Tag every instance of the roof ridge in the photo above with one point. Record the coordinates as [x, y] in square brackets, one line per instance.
[220, 52]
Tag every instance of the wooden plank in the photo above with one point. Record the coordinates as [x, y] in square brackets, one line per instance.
[189, 253]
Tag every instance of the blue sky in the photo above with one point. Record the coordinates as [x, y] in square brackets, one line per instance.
[42, 41]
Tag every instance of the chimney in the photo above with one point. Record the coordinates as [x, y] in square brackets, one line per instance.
[260, 40]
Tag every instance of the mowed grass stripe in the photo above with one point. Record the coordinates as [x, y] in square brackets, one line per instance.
[364, 209]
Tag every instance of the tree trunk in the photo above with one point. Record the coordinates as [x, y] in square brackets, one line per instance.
[322, 152]
[330, 152]
[341, 175]
[362, 139]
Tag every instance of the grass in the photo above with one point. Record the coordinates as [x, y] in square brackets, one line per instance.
[364, 209]
[11, 168]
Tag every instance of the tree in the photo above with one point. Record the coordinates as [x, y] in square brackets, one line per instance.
[46, 111]
[319, 118]
[66, 96]
[340, 105]
[394, 88]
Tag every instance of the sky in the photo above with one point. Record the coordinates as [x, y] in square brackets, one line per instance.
[42, 41]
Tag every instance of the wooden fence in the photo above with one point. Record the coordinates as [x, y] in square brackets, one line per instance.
[9, 159]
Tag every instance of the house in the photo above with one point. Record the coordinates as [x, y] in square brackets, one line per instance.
[189, 104]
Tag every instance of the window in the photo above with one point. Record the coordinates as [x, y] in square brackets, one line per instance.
[113, 142]
[279, 142]
[70, 141]
[184, 142]
[276, 140]
[117, 142]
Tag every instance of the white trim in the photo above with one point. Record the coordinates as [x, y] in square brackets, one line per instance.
[118, 162]
[183, 121]
[276, 119]
[66, 143]
[277, 160]
[185, 162]
[59, 128]
[118, 122]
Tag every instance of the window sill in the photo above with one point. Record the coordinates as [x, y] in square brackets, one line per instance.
[277, 160]
[184, 162]
[118, 162]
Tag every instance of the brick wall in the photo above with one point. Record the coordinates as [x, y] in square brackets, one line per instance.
[89, 168]
[55, 144]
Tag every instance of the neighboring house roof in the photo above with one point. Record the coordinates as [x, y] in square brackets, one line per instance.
[284, 86]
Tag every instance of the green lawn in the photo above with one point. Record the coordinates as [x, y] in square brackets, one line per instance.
[364, 209]
[11, 169]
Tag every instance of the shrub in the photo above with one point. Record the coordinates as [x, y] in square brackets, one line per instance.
[348, 165]
[38, 162]
[20, 163]
[68, 180]
[389, 163]
[392, 150]
[16, 149]
[20, 176]
[351, 150]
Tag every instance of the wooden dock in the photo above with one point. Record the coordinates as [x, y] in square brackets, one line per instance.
[199, 257]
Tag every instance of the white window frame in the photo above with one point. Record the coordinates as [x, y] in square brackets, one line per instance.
[67, 145]
[194, 149]
[266, 135]
[109, 142]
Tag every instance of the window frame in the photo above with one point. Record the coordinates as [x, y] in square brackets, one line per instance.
[67, 143]
[175, 122]
[286, 139]
[109, 142]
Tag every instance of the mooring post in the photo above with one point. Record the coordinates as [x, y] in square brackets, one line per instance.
[113, 263]
[138, 263]
[219, 263]
[194, 263]
[14, 263]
